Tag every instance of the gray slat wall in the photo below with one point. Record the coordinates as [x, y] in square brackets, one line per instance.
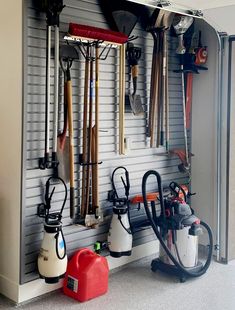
[140, 157]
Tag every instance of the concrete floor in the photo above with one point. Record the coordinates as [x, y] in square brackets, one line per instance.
[136, 287]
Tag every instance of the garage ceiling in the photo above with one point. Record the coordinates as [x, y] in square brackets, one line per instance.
[218, 13]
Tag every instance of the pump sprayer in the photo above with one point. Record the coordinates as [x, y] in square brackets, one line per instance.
[120, 234]
[52, 259]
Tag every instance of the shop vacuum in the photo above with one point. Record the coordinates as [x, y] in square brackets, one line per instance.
[178, 230]
[52, 258]
[173, 222]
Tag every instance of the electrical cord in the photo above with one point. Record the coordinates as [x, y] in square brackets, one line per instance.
[181, 268]
[173, 186]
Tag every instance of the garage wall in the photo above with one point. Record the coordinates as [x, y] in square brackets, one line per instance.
[11, 155]
[204, 130]
[138, 160]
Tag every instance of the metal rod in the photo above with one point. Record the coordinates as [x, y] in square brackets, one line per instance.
[84, 139]
[218, 231]
[56, 89]
[48, 89]
[228, 151]
[121, 99]
[167, 101]
[96, 127]
[89, 132]
[218, 160]
[153, 111]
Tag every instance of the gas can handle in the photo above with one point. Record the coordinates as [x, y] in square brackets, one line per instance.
[79, 253]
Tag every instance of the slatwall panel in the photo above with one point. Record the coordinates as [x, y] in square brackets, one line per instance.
[140, 157]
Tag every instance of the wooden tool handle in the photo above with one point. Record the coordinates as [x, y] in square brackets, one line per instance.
[84, 139]
[96, 134]
[71, 146]
[135, 71]
[121, 100]
[167, 102]
[154, 92]
[94, 170]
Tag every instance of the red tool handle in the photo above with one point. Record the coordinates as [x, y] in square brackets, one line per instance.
[149, 197]
[188, 103]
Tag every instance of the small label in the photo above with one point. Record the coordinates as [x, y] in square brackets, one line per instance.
[61, 244]
[72, 284]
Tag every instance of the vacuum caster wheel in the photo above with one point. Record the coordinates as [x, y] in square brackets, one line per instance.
[182, 279]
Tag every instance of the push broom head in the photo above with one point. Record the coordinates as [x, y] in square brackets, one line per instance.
[89, 32]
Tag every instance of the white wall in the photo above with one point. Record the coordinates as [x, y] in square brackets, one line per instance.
[10, 137]
[204, 140]
[231, 192]
[204, 132]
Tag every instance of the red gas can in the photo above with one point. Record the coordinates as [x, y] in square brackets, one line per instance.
[86, 276]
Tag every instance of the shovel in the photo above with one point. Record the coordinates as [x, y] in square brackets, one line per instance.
[133, 100]
[63, 142]
[156, 27]
[67, 55]
[166, 23]
[125, 21]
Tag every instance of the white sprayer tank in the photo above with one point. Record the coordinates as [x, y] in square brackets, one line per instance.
[52, 259]
[120, 236]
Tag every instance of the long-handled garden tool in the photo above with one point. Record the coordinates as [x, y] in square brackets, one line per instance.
[90, 207]
[122, 100]
[84, 139]
[164, 135]
[134, 100]
[68, 54]
[53, 11]
[95, 160]
[153, 28]
[66, 144]
[125, 22]
[167, 99]
[90, 39]
[71, 142]
[160, 21]
[199, 58]
[181, 24]
[88, 203]
[92, 212]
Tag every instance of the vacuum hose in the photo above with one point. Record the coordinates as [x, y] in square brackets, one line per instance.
[181, 268]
